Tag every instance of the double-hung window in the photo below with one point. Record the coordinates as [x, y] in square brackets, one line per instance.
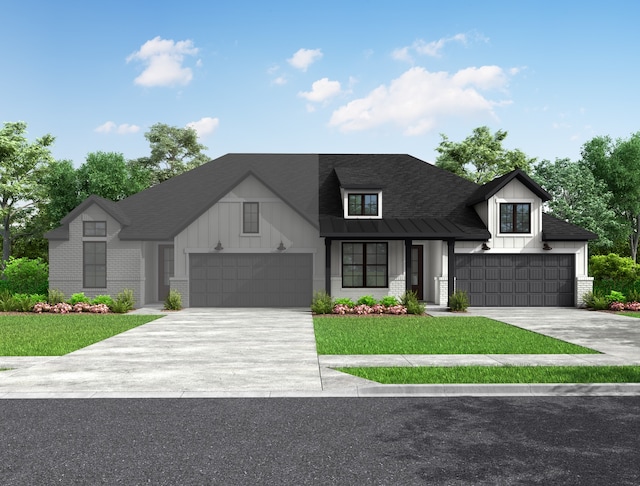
[364, 265]
[250, 218]
[515, 217]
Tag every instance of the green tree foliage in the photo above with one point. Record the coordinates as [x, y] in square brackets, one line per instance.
[613, 267]
[580, 198]
[26, 276]
[481, 156]
[107, 174]
[174, 150]
[22, 167]
[617, 165]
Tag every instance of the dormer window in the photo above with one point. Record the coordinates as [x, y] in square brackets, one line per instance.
[515, 217]
[363, 205]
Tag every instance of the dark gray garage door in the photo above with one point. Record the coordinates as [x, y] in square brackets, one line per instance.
[517, 280]
[251, 280]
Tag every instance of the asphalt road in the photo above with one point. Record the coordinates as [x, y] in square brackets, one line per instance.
[395, 441]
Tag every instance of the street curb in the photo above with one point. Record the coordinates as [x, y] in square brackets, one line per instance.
[381, 391]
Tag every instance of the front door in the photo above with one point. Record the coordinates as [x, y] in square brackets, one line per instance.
[417, 272]
[165, 270]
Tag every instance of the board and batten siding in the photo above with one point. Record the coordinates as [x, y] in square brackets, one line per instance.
[278, 222]
[125, 259]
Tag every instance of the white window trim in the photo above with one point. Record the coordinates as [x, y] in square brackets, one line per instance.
[516, 200]
[345, 202]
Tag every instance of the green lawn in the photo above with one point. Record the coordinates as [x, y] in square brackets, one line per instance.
[498, 374]
[630, 314]
[55, 335]
[432, 335]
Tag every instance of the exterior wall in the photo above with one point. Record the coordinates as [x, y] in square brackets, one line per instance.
[125, 260]
[223, 222]
[515, 191]
[150, 251]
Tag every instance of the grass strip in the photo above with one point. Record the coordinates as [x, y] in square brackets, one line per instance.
[630, 314]
[497, 374]
[55, 335]
[432, 335]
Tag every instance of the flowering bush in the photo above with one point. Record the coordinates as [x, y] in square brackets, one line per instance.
[632, 306]
[616, 306]
[620, 306]
[364, 309]
[64, 308]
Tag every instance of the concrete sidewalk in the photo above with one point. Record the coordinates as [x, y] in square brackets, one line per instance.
[271, 353]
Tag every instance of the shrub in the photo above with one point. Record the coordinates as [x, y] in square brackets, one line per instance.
[173, 300]
[26, 276]
[79, 298]
[593, 300]
[25, 302]
[367, 300]
[632, 306]
[124, 302]
[615, 296]
[389, 301]
[102, 299]
[55, 296]
[410, 300]
[344, 301]
[7, 302]
[616, 306]
[613, 267]
[459, 301]
[633, 295]
[321, 303]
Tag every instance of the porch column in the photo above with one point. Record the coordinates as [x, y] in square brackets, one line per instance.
[451, 264]
[327, 265]
[407, 263]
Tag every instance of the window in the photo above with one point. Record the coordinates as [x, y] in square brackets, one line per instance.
[94, 257]
[250, 217]
[364, 265]
[363, 205]
[515, 218]
[94, 228]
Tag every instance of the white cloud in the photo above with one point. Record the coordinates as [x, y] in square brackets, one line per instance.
[303, 58]
[419, 99]
[163, 59]
[321, 90]
[280, 81]
[423, 48]
[123, 129]
[205, 126]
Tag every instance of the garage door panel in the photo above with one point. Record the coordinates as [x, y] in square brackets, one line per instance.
[251, 280]
[517, 280]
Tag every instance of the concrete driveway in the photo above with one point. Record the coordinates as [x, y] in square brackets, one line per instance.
[195, 350]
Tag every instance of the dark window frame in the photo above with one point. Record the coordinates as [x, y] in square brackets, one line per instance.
[90, 228]
[89, 270]
[366, 264]
[363, 204]
[247, 225]
[515, 221]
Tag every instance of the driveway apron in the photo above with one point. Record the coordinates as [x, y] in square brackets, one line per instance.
[191, 350]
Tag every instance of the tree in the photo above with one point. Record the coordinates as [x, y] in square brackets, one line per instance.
[481, 156]
[617, 165]
[173, 151]
[107, 174]
[578, 197]
[22, 165]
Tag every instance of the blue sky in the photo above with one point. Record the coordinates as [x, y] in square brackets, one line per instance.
[331, 76]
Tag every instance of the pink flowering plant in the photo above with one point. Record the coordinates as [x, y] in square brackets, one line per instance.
[78, 304]
[367, 305]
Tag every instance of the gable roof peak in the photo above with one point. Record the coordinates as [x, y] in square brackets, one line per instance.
[489, 189]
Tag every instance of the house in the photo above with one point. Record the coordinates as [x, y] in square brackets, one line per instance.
[268, 230]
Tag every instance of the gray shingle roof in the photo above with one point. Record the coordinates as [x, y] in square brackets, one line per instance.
[419, 200]
[489, 189]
